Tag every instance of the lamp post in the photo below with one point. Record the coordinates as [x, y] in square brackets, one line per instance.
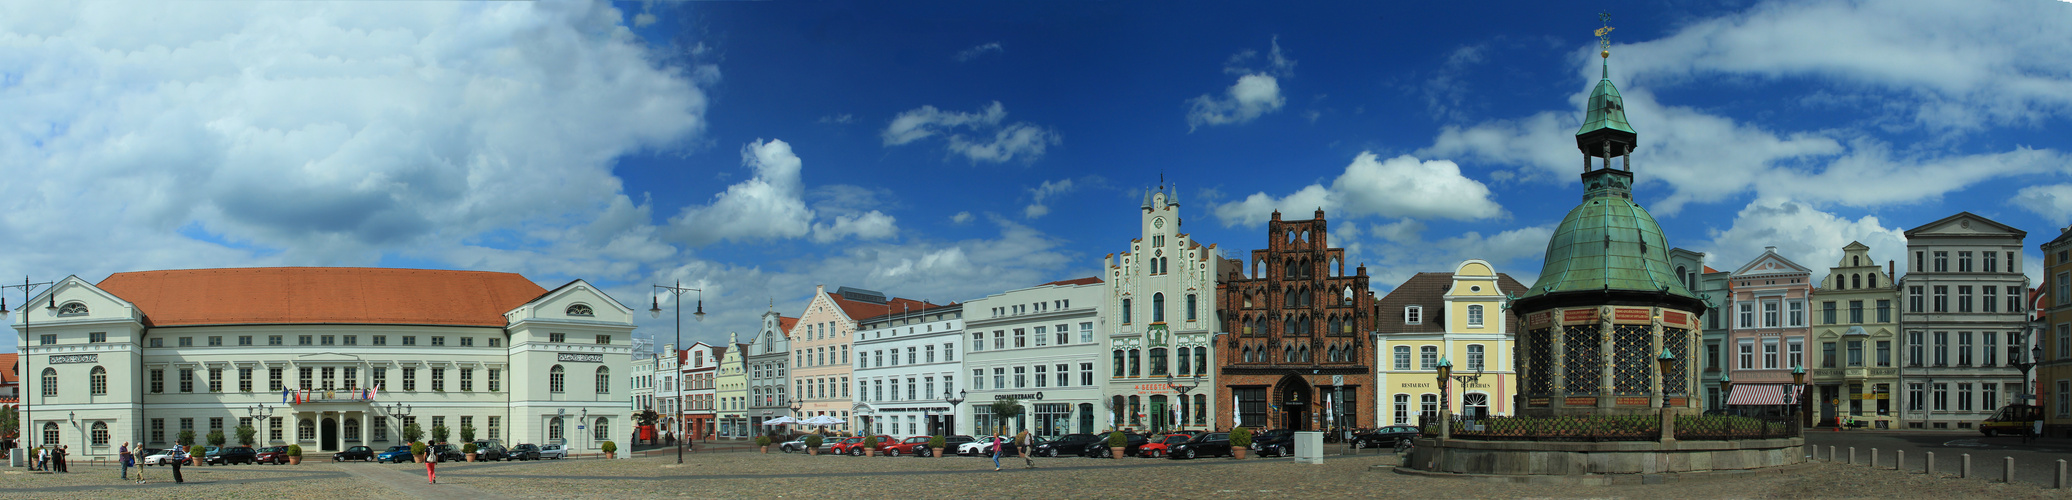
[2014, 358]
[1664, 362]
[401, 412]
[22, 427]
[1445, 398]
[1726, 389]
[253, 412]
[1798, 393]
[676, 296]
[950, 420]
[1193, 382]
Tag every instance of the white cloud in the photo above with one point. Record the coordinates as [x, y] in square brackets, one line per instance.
[1043, 192]
[1398, 187]
[992, 139]
[1402, 252]
[771, 206]
[967, 55]
[961, 217]
[2053, 202]
[643, 20]
[838, 119]
[1256, 93]
[440, 126]
[1802, 233]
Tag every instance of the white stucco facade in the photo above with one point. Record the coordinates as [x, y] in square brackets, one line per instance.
[905, 363]
[1160, 312]
[1038, 346]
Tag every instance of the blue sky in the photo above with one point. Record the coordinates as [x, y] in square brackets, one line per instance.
[946, 150]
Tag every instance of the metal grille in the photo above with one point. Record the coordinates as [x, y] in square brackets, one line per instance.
[1539, 362]
[1581, 367]
[1630, 360]
[1677, 341]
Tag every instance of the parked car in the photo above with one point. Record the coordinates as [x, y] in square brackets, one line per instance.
[525, 452]
[1069, 444]
[448, 453]
[1274, 443]
[394, 454]
[161, 457]
[487, 451]
[1384, 437]
[1131, 444]
[232, 455]
[1163, 446]
[353, 453]
[951, 443]
[799, 445]
[913, 446]
[983, 447]
[1214, 444]
[275, 455]
[553, 451]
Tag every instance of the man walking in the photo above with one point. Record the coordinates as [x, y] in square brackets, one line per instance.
[178, 455]
[1025, 445]
[62, 451]
[124, 457]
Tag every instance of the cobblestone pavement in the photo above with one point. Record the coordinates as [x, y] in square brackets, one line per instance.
[776, 475]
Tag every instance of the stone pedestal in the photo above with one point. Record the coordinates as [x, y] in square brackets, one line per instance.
[1618, 457]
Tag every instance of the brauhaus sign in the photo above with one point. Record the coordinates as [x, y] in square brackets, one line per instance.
[571, 357]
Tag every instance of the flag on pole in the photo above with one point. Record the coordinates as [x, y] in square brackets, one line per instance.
[284, 396]
[1237, 418]
[372, 390]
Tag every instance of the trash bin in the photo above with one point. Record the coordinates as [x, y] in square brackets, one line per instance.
[1309, 447]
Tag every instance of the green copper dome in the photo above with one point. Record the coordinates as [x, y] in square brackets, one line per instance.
[1607, 244]
[1607, 109]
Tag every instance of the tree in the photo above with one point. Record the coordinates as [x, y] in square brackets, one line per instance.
[216, 438]
[411, 433]
[10, 422]
[646, 417]
[185, 437]
[1004, 409]
[246, 435]
[467, 433]
[439, 433]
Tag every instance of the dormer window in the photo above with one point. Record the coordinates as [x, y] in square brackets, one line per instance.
[1413, 315]
[72, 309]
[580, 310]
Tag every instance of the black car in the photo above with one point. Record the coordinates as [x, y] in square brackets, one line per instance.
[1214, 444]
[353, 453]
[1274, 443]
[524, 452]
[1069, 444]
[1384, 437]
[489, 450]
[232, 455]
[448, 453]
[1131, 443]
[951, 443]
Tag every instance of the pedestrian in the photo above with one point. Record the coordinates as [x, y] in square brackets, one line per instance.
[178, 455]
[431, 475]
[123, 455]
[1025, 445]
[62, 451]
[997, 439]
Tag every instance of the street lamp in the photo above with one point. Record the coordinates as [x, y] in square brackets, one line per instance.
[676, 296]
[29, 442]
[1445, 398]
[796, 405]
[1194, 382]
[950, 420]
[1798, 392]
[1665, 361]
[2014, 358]
[401, 412]
[254, 411]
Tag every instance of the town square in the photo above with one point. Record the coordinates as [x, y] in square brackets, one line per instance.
[633, 249]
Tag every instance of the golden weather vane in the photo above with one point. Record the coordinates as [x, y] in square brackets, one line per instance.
[1604, 35]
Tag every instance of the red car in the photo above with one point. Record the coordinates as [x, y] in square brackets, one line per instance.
[856, 450]
[914, 446]
[843, 446]
[272, 455]
[1163, 446]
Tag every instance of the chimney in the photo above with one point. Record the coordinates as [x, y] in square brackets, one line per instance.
[1770, 249]
[1892, 272]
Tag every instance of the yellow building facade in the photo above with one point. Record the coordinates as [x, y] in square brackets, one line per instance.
[1458, 318]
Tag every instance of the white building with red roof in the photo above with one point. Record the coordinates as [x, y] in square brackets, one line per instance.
[323, 358]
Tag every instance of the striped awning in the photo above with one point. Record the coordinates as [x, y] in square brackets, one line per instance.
[1759, 394]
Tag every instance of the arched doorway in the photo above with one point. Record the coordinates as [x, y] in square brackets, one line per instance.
[329, 433]
[1294, 396]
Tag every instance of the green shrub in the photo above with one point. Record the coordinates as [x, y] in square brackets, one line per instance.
[870, 442]
[412, 433]
[294, 450]
[813, 441]
[216, 438]
[609, 447]
[936, 441]
[199, 452]
[1241, 438]
[246, 435]
[468, 448]
[185, 437]
[467, 433]
[417, 448]
[762, 440]
[1117, 440]
[439, 433]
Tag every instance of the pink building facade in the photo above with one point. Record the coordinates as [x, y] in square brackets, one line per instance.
[1770, 321]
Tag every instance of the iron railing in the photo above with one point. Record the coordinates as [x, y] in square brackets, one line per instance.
[1569, 428]
[1734, 427]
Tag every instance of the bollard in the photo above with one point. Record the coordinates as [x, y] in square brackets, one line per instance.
[2007, 470]
[1852, 455]
[1964, 468]
[1900, 463]
[1831, 453]
[1874, 458]
[2061, 475]
[1931, 463]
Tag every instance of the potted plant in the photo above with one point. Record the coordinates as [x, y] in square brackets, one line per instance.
[1240, 442]
[469, 448]
[813, 444]
[439, 433]
[197, 454]
[184, 437]
[246, 435]
[417, 451]
[936, 443]
[611, 450]
[870, 446]
[294, 454]
[1116, 442]
[763, 442]
[467, 433]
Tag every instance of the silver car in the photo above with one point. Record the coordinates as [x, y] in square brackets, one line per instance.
[553, 451]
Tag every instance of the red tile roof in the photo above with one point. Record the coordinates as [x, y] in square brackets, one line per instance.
[1078, 281]
[858, 310]
[307, 295]
[785, 324]
[7, 367]
[1428, 290]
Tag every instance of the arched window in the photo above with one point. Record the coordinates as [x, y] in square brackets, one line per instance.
[1248, 354]
[1201, 357]
[100, 433]
[604, 380]
[1158, 361]
[352, 429]
[1347, 299]
[1125, 310]
[1158, 308]
[554, 379]
[1119, 363]
[602, 430]
[1288, 354]
[1873, 280]
[98, 381]
[1186, 361]
[1136, 367]
[1305, 354]
[1475, 316]
[580, 310]
[50, 382]
[50, 432]
[306, 430]
[554, 428]
[1855, 260]
[1855, 281]
[72, 309]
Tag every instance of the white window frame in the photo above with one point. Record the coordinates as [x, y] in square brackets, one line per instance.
[1413, 315]
[1475, 316]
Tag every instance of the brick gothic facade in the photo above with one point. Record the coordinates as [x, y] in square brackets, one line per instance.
[1299, 334]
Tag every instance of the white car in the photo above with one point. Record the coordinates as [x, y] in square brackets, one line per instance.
[160, 457]
[982, 447]
[799, 445]
[553, 451]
